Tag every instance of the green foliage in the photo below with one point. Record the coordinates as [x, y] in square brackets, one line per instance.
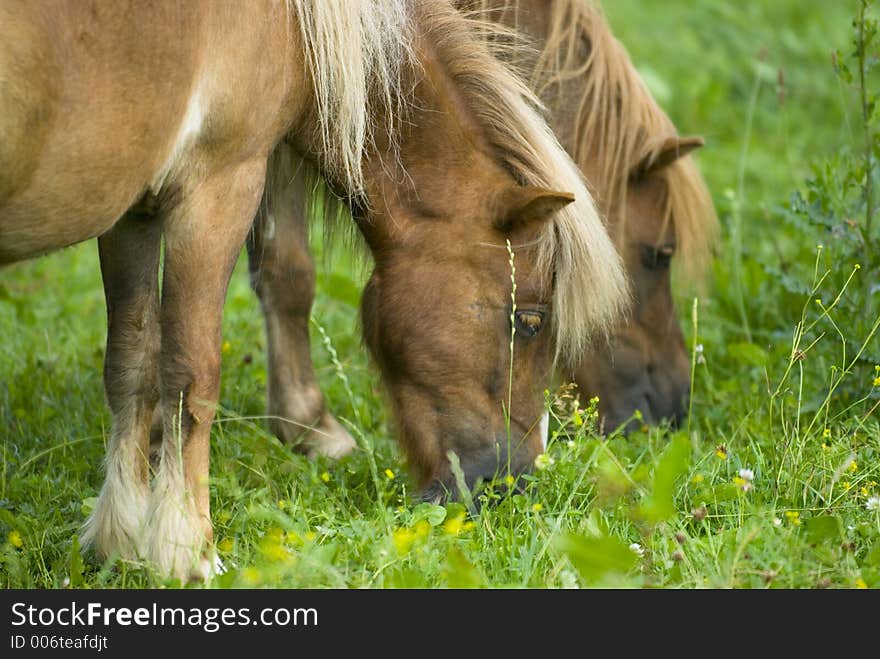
[774, 482]
[596, 557]
[659, 505]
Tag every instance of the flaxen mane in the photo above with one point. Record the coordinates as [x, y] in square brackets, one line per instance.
[362, 65]
[618, 124]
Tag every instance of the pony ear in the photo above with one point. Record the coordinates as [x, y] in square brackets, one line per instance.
[525, 205]
[673, 148]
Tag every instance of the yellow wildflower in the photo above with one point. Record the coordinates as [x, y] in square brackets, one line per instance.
[403, 540]
[422, 529]
[742, 483]
[699, 478]
[537, 507]
[793, 516]
[860, 584]
[251, 576]
[226, 347]
[325, 476]
[15, 540]
[453, 526]
[509, 480]
[826, 432]
[389, 474]
[846, 485]
[225, 545]
[854, 466]
[876, 381]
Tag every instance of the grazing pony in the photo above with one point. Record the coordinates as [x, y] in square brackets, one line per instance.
[647, 186]
[155, 127]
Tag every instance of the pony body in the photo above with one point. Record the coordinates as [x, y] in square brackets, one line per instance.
[154, 129]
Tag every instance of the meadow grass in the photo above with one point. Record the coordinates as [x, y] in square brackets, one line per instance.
[772, 482]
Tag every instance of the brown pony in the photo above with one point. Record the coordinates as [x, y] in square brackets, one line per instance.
[646, 184]
[155, 128]
[648, 188]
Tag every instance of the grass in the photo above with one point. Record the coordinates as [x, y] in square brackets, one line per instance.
[768, 486]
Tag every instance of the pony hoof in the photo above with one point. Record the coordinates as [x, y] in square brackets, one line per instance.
[210, 566]
[330, 440]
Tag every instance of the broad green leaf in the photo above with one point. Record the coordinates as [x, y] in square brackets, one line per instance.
[595, 558]
[434, 515]
[873, 557]
[823, 527]
[76, 564]
[459, 572]
[673, 463]
[405, 577]
[612, 482]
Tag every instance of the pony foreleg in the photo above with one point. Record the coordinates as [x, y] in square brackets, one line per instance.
[129, 255]
[283, 276]
[203, 237]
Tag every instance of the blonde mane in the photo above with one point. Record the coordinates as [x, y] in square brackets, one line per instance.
[356, 53]
[617, 123]
[359, 52]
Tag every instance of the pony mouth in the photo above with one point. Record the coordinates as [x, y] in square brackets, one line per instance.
[624, 418]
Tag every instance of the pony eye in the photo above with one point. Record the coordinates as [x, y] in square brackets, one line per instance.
[657, 257]
[527, 322]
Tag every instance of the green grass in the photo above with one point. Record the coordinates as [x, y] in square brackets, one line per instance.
[777, 388]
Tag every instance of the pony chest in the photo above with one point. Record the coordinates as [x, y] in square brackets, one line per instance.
[189, 133]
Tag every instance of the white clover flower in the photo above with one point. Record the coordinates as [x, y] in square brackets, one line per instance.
[777, 521]
[873, 503]
[637, 549]
[542, 461]
[747, 474]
